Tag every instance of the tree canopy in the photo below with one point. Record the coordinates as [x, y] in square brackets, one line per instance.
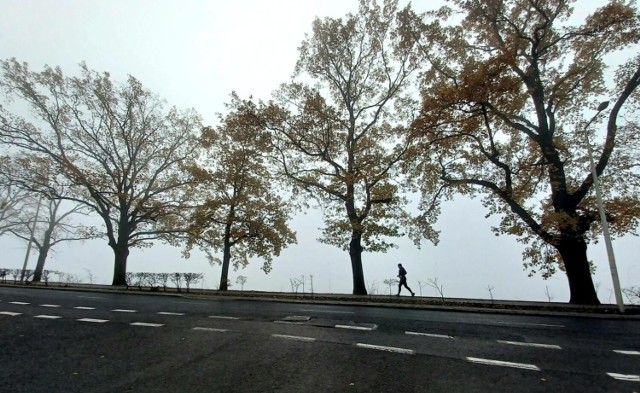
[119, 150]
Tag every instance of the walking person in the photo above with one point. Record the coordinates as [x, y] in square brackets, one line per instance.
[402, 274]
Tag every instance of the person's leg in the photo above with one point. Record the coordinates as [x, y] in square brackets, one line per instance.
[399, 287]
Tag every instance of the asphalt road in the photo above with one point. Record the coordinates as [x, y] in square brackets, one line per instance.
[64, 341]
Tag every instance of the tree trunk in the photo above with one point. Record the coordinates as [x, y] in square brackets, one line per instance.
[121, 253]
[42, 257]
[226, 259]
[574, 255]
[355, 253]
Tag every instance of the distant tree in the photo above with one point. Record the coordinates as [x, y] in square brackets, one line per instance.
[241, 280]
[163, 278]
[242, 214]
[176, 279]
[116, 145]
[340, 128]
[53, 225]
[391, 282]
[191, 278]
[507, 104]
[12, 198]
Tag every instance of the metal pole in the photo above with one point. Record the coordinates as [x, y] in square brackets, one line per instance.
[603, 220]
[33, 230]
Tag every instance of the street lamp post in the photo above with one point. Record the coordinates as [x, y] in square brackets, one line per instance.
[603, 217]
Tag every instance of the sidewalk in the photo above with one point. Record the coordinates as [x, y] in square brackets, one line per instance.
[632, 312]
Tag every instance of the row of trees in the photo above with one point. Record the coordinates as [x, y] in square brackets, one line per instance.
[383, 103]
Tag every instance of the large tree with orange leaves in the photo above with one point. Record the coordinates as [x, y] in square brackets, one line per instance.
[511, 93]
[339, 128]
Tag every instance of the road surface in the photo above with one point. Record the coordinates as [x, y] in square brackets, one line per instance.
[68, 341]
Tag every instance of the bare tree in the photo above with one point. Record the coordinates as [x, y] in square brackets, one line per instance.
[176, 279]
[391, 282]
[433, 282]
[490, 288]
[115, 145]
[191, 278]
[241, 280]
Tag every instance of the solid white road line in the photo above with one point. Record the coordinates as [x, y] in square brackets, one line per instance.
[19, 303]
[170, 313]
[386, 349]
[122, 310]
[354, 327]
[299, 338]
[9, 313]
[84, 308]
[624, 352]
[222, 317]
[526, 324]
[50, 305]
[523, 344]
[146, 324]
[208, 329]
[504, 364]
[93, 320]
[625, 377]
[428, 334]
[48, 316]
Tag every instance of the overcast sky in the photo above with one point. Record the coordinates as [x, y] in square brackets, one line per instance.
[194, 54]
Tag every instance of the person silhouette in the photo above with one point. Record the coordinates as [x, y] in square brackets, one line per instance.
[402, 274]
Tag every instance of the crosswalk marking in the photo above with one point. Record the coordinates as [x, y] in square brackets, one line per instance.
[84, 308]
[48, 316]
[170, 313]
[123, 310]
[19, 303]
[50, 305]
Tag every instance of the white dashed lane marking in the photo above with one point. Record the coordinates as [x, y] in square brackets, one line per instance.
[625, 377]
[123, 310]
[298, 338]
[386, 349]
[9, 313]
[222, 317]
[428, 334]
[93, 320]
[90, 297]
[170, 313]
[355, 327]
[48, 316]
[84, 308]
[625, 352]
[208, 329]
[50, 305]
[146, 324]
[19, 303]
[503, 364]
[535, 345]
